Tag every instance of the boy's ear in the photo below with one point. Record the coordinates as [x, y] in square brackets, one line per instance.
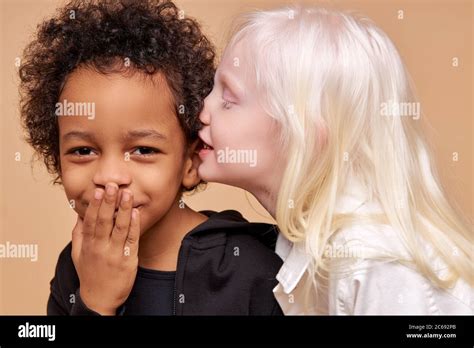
[192, 161]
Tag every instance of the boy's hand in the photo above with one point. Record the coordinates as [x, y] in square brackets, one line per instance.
[106, 254]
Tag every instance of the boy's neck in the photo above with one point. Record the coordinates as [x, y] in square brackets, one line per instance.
[159, 246]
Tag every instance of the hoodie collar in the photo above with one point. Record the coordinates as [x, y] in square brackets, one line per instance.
[229, 220]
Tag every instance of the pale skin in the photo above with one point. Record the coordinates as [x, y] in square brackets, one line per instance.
[124, 169]
[232, 117]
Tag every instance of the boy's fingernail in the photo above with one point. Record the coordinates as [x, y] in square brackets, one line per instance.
[110, 189]
[134, 213]
[98, 193]
[125, 196]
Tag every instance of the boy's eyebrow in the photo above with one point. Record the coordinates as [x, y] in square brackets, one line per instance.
[133, 134]
[79, 134]
[144, 133]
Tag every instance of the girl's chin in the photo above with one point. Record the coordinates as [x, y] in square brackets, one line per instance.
[217, 176]
[204, 172]
[208, 174]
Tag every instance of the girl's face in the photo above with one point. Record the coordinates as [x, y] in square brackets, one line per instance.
[133, 139]
[242, 149]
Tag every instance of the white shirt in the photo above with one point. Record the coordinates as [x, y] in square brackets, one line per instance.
[369, 286]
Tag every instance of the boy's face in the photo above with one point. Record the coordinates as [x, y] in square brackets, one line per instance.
[130, 136]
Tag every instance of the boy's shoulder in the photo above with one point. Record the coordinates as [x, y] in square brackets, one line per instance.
[229, 226]
[65, 259]
[64, 284]
[237, 259]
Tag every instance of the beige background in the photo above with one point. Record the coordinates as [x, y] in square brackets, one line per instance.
[33, 211]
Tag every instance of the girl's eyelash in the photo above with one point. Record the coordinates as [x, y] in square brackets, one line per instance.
[226, 104]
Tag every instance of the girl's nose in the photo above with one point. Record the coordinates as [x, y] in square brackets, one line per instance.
[204, 116]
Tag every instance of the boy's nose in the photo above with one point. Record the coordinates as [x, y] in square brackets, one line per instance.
[113, 172]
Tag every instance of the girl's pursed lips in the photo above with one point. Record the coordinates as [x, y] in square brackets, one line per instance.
[207, 143]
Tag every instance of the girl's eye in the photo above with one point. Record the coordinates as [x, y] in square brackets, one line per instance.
[81, 151]
[226, 104]
[145, 151]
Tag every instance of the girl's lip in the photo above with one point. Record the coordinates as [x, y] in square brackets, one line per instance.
[204, 152]
[205, 143]
[204, 147]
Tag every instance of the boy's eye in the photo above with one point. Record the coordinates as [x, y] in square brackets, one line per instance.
[81, 151]
[145, 151]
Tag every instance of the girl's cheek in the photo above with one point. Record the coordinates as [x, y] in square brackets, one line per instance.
[226, 134]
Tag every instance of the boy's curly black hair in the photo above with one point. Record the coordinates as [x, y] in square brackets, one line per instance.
[152, 34]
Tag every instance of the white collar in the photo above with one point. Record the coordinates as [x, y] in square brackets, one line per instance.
[294, 255]
[296, 262]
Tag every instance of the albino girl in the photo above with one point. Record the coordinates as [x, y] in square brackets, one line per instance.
[320, 96]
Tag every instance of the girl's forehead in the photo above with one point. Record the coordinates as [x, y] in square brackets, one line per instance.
[237, 65]
[234, 55]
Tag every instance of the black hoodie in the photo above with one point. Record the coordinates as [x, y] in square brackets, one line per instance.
[226, 266]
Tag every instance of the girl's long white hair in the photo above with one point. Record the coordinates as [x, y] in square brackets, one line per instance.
[324, 74]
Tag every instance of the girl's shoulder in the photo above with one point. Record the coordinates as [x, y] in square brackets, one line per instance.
[369, 240]
[373, 274]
